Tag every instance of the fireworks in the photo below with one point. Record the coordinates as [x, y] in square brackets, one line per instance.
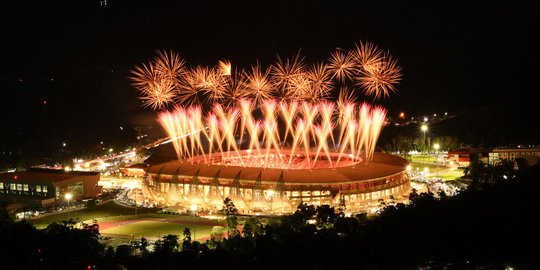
[275, 113]
[167, 80]
[298, 129]
[342, 65]
[378, 79]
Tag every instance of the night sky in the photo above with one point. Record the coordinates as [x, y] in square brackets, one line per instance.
[76, 56]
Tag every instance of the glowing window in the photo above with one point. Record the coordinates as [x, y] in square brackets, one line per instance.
[25, 187]
[45, 189]
[38, 188]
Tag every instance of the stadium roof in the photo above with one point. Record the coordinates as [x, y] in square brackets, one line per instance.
[383, 165]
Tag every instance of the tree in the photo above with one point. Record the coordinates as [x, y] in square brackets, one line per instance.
[230, 211]
[71, 244]
[404, 144]
[342, 205]
[325, 215]
[186, 243]
[476, 169]
[143, 245]
[413, 195]
[123, 253]
[442, 195]
[228, 207]
[304, 212]
[252, 227]
[447, 142]
[168, 244]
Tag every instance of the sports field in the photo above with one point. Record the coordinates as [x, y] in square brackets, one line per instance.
[443, 172]
[153, 228]
[121, 222]
[106, 210]
[423, 158]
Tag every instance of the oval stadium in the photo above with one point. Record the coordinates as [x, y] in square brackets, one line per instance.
[275, 183]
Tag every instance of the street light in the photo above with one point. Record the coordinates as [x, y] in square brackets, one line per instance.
[193, 209]
[436, 147]
[135, 196]
[424, 128]
[270, 193]
[68, 197]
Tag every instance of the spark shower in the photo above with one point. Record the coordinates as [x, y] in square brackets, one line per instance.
[276, 117]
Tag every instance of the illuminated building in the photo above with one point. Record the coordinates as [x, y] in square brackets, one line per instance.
[46, 186]
[255, 189]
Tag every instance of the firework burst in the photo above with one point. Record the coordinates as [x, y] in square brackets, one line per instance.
[258, 84]
[224, 68]
[342, 65]
[167, 79]
[379, 79]
[169, 66]
[234, 91]
[156, 90]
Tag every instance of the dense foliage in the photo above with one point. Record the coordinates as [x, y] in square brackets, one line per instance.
[488, 226]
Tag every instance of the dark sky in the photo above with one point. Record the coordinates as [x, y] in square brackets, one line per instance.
[76, 55]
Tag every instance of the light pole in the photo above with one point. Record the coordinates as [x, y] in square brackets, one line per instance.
[436, 147]
[135, 196]
[68, 197]
[424, 128]
[193, 209]
[270, 193]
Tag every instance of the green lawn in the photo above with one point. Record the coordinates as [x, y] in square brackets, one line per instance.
[445, 173]
[109, 209]
[423, 158]
[451, 175]
[157, 229]
[432, 168]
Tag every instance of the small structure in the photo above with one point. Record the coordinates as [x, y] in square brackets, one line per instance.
[530, 155]
[460, 157]
[135, 170]
[46, 186]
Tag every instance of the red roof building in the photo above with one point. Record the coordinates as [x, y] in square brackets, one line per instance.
[46, 186]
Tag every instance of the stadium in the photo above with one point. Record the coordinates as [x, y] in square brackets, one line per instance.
[352, 184]
[271, 137]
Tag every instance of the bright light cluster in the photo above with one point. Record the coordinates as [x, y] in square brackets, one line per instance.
[167, 80]
[297, 128]
[260, 113]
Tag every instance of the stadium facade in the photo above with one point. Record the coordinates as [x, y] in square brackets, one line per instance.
[266, 186]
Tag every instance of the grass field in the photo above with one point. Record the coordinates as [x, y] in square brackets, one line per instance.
[423, 158]
[445, 173]
[451, 175]
[109, 209]
[157, 229]
[432, 168]
[120, 221]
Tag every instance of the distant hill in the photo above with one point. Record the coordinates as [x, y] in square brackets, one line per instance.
[497, 124]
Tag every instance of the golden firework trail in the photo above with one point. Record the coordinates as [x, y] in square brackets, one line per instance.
[310, 129]
[269, 111]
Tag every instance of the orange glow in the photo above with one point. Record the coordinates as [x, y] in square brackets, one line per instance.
[267, 109]
[167, 80]
[304, 127]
